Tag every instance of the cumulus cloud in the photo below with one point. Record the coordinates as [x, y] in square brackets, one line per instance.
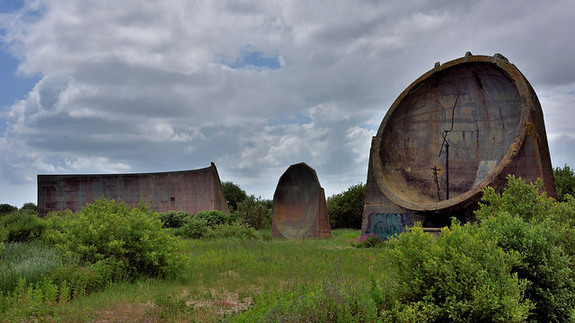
[130, 86]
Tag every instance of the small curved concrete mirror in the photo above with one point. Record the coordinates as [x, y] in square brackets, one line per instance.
[299, 209]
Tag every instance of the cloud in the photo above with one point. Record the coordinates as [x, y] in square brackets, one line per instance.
[130, 86]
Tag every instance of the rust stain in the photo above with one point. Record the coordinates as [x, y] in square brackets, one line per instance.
[299, 209]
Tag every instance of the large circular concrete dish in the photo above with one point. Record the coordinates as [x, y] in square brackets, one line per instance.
[452, 132]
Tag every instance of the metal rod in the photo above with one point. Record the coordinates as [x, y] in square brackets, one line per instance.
[447, 170]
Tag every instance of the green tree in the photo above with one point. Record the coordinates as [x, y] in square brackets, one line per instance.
[234, 195]
[29, 207]
[256, 212]
[346, 209]
[7, 208]
[564, 182]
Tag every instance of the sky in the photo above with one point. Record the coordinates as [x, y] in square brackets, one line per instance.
[254, 86]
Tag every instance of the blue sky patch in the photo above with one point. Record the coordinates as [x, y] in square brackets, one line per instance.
[299, 118]
[11, 5]
[250, 57]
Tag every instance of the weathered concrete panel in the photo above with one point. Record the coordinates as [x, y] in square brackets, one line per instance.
[460, 127]
[190, 191]
[300, 209]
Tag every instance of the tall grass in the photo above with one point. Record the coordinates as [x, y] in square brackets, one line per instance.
[224, 276]
[273, 263]
[28, 261]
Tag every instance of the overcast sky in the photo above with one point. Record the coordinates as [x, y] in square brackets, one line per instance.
[112, 86]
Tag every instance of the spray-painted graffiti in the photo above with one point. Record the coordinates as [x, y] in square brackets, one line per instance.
[385, 225]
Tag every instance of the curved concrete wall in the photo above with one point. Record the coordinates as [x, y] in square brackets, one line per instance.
[190, 191]
[299, 209]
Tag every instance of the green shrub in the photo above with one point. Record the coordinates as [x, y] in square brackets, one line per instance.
[255, 212]
[460, 276]
[214, 217]
[334, 300]
[526, 200]
[543, 263]
[541, 233]
[195, 228]
[233, 231]
[21, 227]
[131, 236]
[173, 219]
[345, 210]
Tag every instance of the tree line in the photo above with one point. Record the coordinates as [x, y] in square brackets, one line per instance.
[345, 209]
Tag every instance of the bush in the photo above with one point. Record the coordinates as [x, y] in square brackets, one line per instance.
[130, 237]
[526, 200]
[541, 233]
[232, 231]
[345, 210]
[460, 276]
[543, 263]
[214, 217]
[21, 227]
[195, 228]
[255, 212]
[173, 219]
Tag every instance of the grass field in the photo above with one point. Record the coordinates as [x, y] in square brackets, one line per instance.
[223, 276]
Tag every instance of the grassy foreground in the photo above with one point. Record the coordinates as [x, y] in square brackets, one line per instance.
[223, 276]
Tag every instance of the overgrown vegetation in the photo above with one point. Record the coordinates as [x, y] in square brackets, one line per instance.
[541, 231]
[255, 212]
[335, 299]
[564, 182]
[20, 226]
[345, 210]
[515, 266]
[460, 276]
[130, 237]
[234, 195]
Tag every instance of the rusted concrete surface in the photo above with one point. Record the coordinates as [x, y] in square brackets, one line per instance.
[460, 127]
[300, 209]
[190, 191]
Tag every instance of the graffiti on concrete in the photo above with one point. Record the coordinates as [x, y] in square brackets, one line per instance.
[385, 225]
